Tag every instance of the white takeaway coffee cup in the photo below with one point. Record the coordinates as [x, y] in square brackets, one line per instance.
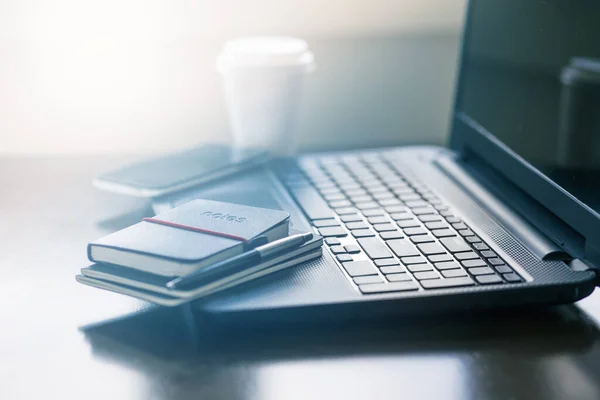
[263, 78]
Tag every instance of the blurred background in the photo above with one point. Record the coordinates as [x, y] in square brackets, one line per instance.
[137, 76]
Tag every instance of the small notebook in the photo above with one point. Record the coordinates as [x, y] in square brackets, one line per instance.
[151, 287]
[190, 237]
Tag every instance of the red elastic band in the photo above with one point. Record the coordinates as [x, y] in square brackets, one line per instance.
[194, 229]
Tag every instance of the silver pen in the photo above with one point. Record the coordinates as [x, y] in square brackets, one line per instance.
[232, 265]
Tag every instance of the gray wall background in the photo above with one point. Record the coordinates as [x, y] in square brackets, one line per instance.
[138, 76]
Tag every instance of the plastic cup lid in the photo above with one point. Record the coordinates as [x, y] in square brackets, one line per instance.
[265, 51]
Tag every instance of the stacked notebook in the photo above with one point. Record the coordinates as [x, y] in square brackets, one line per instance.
[191, 240]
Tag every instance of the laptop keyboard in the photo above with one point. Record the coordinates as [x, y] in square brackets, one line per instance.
[389, 232]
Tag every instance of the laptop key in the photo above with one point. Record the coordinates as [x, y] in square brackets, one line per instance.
[447, 265]
[402, 248]
[344, 257]
[512, 277]
[361, 198]
[410, 197]
[481, 271]
[468, 255]
[413, 260]
[385, 262]
[430, 218]
[488, 254]
[401, 216]
[426, 275]
[453, 273]
[356, 225]
[361, 233]
[396, 209]
[332, 231]
[320, 223]
[352, 249]
[488, 279]
[391, 235]
[422, 238]
[408, 223]
[495, 261]
[379, 219]
[374, 248]
[340, 203]
[329, 189]
[466, 232]
[503, 269]
[423, 210]
[447, 283]
[367, 205]
[384, 227]
[356, 192]
[440, 258]
[345, 210]
[436, 225]
[455, 244]
[398, 277]
[390, 202]
[473, 239]
[373, 212]
[431, 248]
[363, 280]
[403, 191]
[392, 269]
[399, 185]
[332, 241]
[351, 218]
[415, 231]
[440, 233]
[360, 268]
[337, 249]
[473, 263]
[334, 196]
[312, 203]
[389, 287]
[480, 246]
[374, 188]
[419, 267]
[350, 186]
[383, 195]
[415, 203]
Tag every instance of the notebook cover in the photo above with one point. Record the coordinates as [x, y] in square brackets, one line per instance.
[194, 231]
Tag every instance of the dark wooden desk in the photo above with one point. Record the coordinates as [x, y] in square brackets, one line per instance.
[59, 339]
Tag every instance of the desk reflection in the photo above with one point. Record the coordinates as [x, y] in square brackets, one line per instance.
[541, 353]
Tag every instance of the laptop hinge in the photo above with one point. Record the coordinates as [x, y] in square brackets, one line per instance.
[490, 197]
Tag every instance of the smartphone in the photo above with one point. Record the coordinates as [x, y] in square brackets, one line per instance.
[173, 172]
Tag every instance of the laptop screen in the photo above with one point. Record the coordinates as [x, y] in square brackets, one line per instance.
[530, 81]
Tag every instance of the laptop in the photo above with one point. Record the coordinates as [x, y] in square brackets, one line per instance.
[508, 214]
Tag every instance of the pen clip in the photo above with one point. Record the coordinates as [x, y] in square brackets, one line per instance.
[255, 242]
